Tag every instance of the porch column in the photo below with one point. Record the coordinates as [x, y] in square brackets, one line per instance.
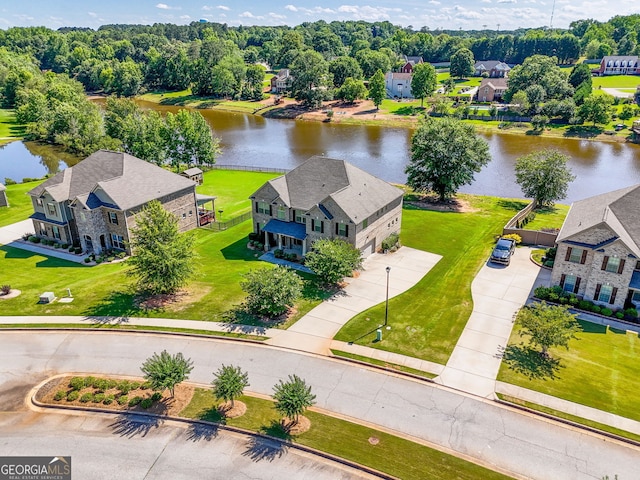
[266, 242]
[280, 241]
[304, 247]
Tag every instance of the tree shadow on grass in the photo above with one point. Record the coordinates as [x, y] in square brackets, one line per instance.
[115, 304]
[197, 432]
[531, 363]
[515, 205]
[238, 251]
[133, 425]
[260, 448]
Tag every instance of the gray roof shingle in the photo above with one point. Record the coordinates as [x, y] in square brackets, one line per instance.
[127, 180]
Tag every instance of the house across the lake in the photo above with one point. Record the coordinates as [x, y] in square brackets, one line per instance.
[491, 69]
[94, 203]
[619, 65]
[491, 89]
[326, 198]
[598, 255]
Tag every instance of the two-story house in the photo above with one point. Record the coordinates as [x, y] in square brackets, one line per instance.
[281, 81]
[491, 68]
[491, 89]
[599, 249]
[94, 203]
[326, 198]
[410, 63]
[619, 65]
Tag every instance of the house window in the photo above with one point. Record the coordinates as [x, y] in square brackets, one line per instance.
[39, 201]
[300, 218]
[43, 229]
[51, 208]
[365, 223]
[262, 207]
[570, 283]
[576, 255]
[113, 218]
[636, 297]
[117, 241]
[56, 232]
[638, 265]
[612, 264]
[191, 213]
[184, 215]
[342, 229]
[317, 226]
[605, 294]
[282, 213]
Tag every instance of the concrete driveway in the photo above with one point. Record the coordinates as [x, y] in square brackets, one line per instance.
[498, 292]
[526, 446]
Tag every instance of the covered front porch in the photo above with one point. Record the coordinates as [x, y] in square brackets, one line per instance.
[287, 236]
[205, 215]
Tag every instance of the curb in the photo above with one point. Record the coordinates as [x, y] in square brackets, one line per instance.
[289, 444]
[415, 376]
[570, 423]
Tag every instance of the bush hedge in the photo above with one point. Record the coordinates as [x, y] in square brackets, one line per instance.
[555, 294]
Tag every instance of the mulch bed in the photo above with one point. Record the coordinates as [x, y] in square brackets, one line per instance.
[166, 405]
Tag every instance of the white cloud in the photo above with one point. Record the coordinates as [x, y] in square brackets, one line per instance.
[434, 2]
[23, 18]
[223, 7]
[92, 14]
[507, 1]
[206, 8]
[185, 17]
[164, 6]
[276, 16]
[248, 14]
[369, 13]
[291, 8]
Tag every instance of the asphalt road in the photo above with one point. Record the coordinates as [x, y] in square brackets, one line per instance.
[526, 445]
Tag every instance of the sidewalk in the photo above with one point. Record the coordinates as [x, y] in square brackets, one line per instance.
[498, 293]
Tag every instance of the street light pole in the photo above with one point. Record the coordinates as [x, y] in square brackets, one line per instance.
[386, 307]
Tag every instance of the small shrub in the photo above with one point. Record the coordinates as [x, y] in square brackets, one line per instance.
[146, 386]
[514, 236]
[65, 246]
[121, 254]
[596, 309]
[554, 297]
[259, 246]
[108, 400]
[278, 253]
[72, 396]
[531, 217]
[607, 312]
[9, 181]
[573, 300]
[34, 239]
[146, 403]
[619, 315]
[157, 396]
[390, 241]
[90, 381]
[123, 400]
[111, 383]
[124, 387]
[253, 237]
[110, 258]
[56, 245]
[585, 305]
[136, 385]
[542, 293]
[99, 397]
[77, 383]
[86, 397]
[548, 263]
[60, 394]
[5, 289]
[135, 401]
[551, 253]
[87, 260]
[72, 249]
[631, 313]
[77, 250]
[99, 260]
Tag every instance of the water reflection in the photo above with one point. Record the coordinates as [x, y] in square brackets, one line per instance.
[20, 160]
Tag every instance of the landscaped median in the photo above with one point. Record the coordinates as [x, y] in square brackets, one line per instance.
[355, 445]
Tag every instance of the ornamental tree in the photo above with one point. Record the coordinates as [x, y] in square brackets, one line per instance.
[332, 260]
[271, 292]
[293, 397]
[424, 81]
[547, 325]
[229, 383]
[165, 371]
[445, 153]
[544, 176]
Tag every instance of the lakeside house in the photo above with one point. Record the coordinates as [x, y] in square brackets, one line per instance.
[398, 84]
[491, 89]
[618, 65]
[409, 63]
[281, 81]
[94, 203]
[326, 198]
[598, 249]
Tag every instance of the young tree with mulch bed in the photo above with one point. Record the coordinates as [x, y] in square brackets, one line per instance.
[229, 383]
[548, 325]
[271, 292]
[292, 398]
[165, 371]
[332, 260]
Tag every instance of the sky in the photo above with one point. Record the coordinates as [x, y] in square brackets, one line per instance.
[434, 14]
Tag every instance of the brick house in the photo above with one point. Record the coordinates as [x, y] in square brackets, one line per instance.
[491, 89]
[410, 63]
[493, 68]
[599, 249]
[619, 65]
[94, 203]
[326, 198]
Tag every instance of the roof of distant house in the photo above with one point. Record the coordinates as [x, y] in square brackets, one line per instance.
[358, 193]
[618, 210]
[192, 171]
[495, 83]
[127, 180]
[399, 75]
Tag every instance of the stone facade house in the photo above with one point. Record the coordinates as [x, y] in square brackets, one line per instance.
[599, 249]
[493, 68]
[326, 198]
[491, 89]
[94, 203]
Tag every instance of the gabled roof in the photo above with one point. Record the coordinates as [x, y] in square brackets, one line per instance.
[495, 83]
[127, 180]
[192, 171]
[490, 65]
[320, 179]
[399, 75]
[618, 210]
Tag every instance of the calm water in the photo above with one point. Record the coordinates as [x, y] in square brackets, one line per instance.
[383, 151]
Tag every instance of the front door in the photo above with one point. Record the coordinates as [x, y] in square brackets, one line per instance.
[89, 243]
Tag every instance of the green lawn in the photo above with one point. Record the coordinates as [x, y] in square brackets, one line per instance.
[599, 370]
[615, 81]
[20, 206]
[427, 320]
[548, 217]
[405, 107]
[392, 455]
[232, 189]
[9, 129]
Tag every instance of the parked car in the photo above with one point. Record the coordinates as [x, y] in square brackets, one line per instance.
[503, 250]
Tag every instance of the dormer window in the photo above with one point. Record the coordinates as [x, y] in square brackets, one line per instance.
[51, 208]
[39, 202]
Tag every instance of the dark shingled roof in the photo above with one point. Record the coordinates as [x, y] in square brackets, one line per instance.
[290, 229]
[127, 180]
[358, 193]
[618, 210]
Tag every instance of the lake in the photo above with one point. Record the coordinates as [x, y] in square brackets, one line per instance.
[383, 151]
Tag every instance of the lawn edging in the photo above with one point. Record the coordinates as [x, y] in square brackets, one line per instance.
[188, 421]
[564, 421]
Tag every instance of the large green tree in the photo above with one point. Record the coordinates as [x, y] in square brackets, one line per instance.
[333, 259]
[539, 70]
[189, 139]
[596, 109]
[253, 82]
[311, 79]
[424, 81]
[461, 63]
[163, 259]
[445, 154]
[377, 89]
[166, 371]
[547, 325]
[352, 90]
[344, 67]
[544, 176]
[293, 397]
[271, 292]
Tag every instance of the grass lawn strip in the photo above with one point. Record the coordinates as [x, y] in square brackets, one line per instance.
[9, 129]
[548, 217]
[391, 454]
[20, 206]
[599, 370]
[571, 418]
[380, 363]
[427, 320]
